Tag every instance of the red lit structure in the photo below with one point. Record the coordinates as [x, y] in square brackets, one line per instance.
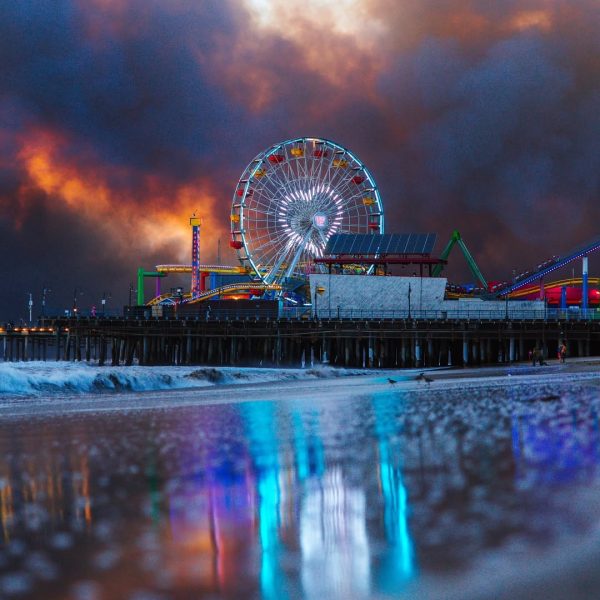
[196, 281]
[553, 292]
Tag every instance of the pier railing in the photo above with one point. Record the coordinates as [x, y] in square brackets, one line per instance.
[306, 313]
[512, 313]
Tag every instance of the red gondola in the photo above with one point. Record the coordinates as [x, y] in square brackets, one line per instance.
[236, 245]
[358, 179]
[373, 226]
[240, 192]
[276, 158]
[255, 292]
[320, 153]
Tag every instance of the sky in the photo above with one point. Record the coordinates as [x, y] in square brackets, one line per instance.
[119, 118]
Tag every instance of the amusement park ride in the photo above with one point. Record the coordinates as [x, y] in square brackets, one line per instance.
[289, 203]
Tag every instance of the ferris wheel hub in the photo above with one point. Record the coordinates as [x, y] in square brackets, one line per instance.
[320, 221]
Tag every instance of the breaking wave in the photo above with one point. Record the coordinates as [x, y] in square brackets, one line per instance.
[45, 379]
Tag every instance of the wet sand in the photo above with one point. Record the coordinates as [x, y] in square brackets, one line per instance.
[479, 483]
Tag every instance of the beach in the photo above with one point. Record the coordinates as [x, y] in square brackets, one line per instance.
[260, 483]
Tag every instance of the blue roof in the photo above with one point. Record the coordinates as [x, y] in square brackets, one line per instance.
[366, 244]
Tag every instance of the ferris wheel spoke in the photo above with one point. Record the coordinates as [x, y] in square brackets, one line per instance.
[286, 180]
[296, 257]
[267, 244]
[257, 207]
[286, 174]
[286, 251]
[261, 243]
[343, 175]
[270, 201]
[277, 235]
[267, 188]
[260, 207]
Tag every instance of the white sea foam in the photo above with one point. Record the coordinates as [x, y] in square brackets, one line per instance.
[46, 379]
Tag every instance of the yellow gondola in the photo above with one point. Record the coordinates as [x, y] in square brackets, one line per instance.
[340, 163]
[297, 152]
[368, 201]
[235, 218]
[260, 173]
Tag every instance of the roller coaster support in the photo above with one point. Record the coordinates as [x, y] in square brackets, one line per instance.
[140, 283]
[456, 238]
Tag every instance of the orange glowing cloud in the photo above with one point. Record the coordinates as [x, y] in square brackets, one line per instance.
[532, 19]
[256, 74]
[324, 43]
[406, 24]
[349, 19]
[136, 222]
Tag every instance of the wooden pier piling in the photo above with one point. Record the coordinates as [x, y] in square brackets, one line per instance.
[374, 343]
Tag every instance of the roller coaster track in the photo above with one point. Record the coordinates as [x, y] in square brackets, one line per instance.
[234, 287]
[166, 299]
[221, 269]
[223, 290]
[557, 263]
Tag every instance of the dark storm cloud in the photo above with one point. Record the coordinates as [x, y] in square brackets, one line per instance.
[504, 130]
[60, 252]
[137, 91]
[478, 115]
[507, 107]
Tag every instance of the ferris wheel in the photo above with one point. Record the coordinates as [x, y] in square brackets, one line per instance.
[292, 198]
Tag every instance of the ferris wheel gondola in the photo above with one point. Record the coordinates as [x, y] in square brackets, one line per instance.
[292, 198]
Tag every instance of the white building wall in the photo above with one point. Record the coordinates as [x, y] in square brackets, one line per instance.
[353, 296]
[375, 293]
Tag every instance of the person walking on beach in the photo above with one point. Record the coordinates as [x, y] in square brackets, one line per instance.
[562, 352]
[534, 356]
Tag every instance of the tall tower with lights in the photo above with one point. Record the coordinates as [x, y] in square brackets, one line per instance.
[195, 222]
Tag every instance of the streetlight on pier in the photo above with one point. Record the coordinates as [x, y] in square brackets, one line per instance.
[409, 293]
[105, 296]
[45, 292]
[131, 291]
[76, 293]
[319, 291]
[30, 303]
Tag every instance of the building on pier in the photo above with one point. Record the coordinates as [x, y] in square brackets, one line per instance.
[339, 293]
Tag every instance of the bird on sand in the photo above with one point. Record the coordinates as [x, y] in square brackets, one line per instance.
[423, 377]
[549, 398]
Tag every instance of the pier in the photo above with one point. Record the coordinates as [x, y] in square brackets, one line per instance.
[265, 341]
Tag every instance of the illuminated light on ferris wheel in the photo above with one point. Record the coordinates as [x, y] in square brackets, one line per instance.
[292, 198]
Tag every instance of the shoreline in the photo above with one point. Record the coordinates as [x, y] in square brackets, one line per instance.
[335, 386]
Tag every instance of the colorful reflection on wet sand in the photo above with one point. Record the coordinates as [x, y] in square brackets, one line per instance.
[362, 496]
